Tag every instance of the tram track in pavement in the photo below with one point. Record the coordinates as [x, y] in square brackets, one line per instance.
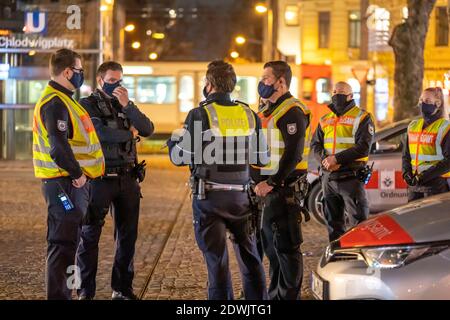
[149, 277]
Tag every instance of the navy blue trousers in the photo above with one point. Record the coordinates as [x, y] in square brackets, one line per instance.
[224, 211]
[122, 194]
[63, 231]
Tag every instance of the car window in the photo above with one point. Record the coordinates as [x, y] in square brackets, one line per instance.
[390, 144]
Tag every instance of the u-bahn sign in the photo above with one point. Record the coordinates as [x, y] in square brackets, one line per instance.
[54, 26]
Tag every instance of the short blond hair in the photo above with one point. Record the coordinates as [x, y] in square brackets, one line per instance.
[437, 93]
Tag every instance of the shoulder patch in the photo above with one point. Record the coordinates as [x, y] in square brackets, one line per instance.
[371, 129]
[292, 128]
[62, 125]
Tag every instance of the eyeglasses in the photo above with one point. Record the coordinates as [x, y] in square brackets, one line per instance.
[78, 70]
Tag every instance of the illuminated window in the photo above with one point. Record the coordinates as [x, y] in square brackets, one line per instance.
[186, 94]
[354, 29]
[246, 90]
[405, 14]
[356, 87]
[382, 98]
[294, 86]
[29, 91]
[128, 83]
[323, 90]
[156, 90]
[291, 15]
[441, 26]
[382, 23]
[324, 29]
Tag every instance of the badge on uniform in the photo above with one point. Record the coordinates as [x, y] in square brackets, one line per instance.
[292, 128]
[371, 130]
[62, 125]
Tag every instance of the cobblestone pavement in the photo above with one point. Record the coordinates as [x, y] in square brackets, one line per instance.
[165, 232]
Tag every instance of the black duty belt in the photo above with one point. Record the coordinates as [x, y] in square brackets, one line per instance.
[119, 171]
[339, 176]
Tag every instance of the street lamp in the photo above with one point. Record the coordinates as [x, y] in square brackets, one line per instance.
[240, 40]
[136, 45]
[234, 54]
[153, 56]
[129, 28]
[261, 8]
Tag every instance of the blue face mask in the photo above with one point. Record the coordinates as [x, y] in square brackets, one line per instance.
[108, 88]
[265, 91]
[77, 79]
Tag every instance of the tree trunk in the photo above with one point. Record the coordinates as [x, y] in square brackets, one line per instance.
[408, 42]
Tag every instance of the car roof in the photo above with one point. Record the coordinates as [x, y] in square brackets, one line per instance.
[392, 128]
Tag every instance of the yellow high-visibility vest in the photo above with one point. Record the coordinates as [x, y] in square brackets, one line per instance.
[425, 144]
[275, 138]
[340, 131]
[230, 121]
[84, 143]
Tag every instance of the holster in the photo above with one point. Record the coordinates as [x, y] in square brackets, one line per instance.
[95, 216]
[295, 195]
[255, 209]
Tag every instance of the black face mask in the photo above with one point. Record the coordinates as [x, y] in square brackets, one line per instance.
[340, 102]
[429, 112]
[205, 92]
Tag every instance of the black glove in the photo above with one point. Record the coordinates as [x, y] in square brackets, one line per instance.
[410, 179]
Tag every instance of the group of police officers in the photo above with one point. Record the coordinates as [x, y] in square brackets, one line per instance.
[240, 161]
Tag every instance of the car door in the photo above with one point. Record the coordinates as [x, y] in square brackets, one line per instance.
[386, 188]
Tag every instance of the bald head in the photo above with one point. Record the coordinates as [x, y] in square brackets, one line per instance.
[342, 87]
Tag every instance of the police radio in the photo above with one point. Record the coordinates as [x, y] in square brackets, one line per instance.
[65, 200]
[365, 174]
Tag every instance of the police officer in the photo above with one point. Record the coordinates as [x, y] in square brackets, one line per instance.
[286, 122]
[341, 144]
[66, 152]
[118, 123]
[426, 153]
[218, 143]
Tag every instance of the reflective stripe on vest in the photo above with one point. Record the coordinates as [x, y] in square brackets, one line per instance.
[84, 143]
[340, 132]
[425, 144]
[275, 139]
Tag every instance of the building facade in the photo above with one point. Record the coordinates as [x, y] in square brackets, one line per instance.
[330, 36]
